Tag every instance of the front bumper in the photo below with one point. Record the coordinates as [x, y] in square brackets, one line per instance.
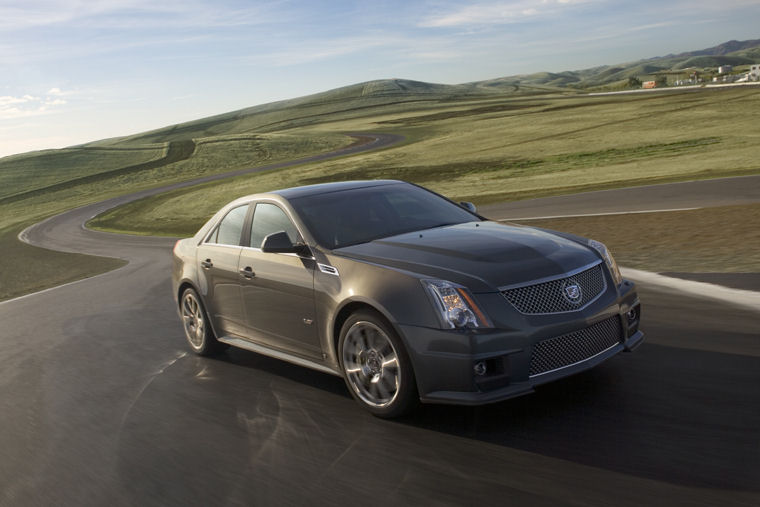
[516, 360]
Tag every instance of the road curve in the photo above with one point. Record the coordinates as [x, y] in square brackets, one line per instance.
[100, 403]
[66, 233]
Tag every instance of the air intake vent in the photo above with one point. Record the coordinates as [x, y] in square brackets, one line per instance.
[573, 348]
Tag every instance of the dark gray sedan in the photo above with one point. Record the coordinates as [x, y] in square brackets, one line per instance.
[406, 295]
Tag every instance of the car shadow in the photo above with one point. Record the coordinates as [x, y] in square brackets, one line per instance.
[669, 414]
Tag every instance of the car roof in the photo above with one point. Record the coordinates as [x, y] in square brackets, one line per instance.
[326, 188]
[321, 188]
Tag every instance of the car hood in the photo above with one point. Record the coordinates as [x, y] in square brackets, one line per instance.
[482, 256]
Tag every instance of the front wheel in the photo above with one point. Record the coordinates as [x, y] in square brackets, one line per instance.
[376, 366]
[198, 331]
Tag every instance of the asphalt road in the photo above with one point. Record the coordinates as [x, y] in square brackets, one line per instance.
[101, 404]
[668, 196]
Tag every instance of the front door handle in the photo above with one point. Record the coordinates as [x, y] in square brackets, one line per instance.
[247, 272]
[207, 264]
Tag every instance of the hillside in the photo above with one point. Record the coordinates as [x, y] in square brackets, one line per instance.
[390, 96]
[348, 102]
[707, 60]
[485, 141]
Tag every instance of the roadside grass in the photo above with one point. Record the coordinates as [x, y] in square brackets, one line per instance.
[483, 147]
[39, 170]
[208, 157]
[27, 269]
[547, 147]
[451, 155]
[723, 239]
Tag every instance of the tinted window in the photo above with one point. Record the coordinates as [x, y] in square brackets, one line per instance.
[229, 229]
[349, 217]
[268, 219]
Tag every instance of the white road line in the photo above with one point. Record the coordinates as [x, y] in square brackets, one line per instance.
[739, 297]
[596, 214]
[50, 289]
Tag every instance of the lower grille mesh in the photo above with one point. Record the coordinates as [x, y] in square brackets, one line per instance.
[574, 347]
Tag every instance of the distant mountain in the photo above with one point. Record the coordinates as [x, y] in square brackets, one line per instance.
[721, 49]
[399, 95]
[733, 52]
[352, 101]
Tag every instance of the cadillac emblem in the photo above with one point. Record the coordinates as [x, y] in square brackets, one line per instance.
[572, 291]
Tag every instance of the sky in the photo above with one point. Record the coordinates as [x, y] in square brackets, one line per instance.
[74, 71]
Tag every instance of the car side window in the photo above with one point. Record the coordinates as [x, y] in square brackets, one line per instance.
[268, 219]
[230, 228]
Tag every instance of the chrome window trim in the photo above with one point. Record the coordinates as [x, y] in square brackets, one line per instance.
[254, 249]
[220, 244]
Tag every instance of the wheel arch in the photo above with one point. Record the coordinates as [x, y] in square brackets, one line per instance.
[352, 307]
[409, 396]
[187, 284]
[183, 286]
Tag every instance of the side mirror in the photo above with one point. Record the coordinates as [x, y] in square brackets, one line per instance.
[279, 242]
[469, 206]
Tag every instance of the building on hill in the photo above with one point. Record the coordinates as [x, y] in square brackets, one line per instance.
[754, 72]
[725, 69]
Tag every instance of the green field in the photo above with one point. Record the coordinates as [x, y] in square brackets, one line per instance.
[509, 148]
[474, 142]
[34, 189]
[702, 240]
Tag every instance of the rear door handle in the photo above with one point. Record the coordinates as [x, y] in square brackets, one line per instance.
[247, 272]
[207, 264]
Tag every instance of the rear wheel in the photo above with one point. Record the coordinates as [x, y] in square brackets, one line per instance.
[198, 331]
[376, 366]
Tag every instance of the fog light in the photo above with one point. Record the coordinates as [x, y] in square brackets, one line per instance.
[480, 368]
[632, 315]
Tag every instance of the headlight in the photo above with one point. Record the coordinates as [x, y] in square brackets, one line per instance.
[608, 259]
[455, 305]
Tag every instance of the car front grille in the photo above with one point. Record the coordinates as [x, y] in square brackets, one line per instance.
[551, 297]
[568, 349]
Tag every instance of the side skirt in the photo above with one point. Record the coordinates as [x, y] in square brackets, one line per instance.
[266, 351]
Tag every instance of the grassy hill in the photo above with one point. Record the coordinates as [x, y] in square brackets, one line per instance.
[506, 138]
[707, 61]
[385, 96]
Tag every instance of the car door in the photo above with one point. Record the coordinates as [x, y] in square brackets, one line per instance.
[278, 288]
[217, 260]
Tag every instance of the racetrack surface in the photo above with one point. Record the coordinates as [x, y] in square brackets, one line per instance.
[667, 196]
[101, 403]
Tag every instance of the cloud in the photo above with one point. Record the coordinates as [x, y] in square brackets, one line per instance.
[497, 13]
[28, 105]
[8, 100]
[137, 14]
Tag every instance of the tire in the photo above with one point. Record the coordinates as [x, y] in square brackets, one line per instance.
[376, 366]
[197, 328]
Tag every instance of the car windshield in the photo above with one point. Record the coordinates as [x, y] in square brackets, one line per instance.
[349, 217]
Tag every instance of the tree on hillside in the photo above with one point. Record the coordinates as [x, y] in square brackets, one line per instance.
[661, 80]
[634, 82]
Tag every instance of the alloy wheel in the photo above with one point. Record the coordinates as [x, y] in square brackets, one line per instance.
[371, 364]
